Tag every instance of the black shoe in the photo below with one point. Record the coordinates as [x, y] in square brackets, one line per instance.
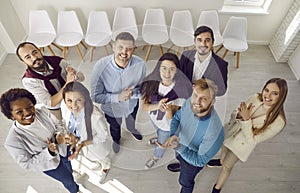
[215, 190]
[214, 163]
[116, 147]
[174, 167]
[136, 135]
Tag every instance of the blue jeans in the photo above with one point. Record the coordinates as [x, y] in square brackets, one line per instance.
[63, 173]
[187, 175]
[162, 136]
[115, 124]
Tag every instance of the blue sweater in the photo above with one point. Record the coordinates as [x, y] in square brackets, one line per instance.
[200, 137]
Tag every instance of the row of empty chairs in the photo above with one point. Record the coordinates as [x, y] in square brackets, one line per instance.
[99, 31]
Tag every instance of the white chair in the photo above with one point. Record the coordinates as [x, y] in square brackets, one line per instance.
[182, 30]
[210, 19]
[124, 21]
[69, 32]
[235, 37]
[41, 30]
[98, 31]
[154, 30]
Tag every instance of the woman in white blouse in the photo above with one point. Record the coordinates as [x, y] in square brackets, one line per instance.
[87, 123]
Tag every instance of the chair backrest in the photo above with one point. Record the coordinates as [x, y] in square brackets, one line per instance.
[124, 21]
[40, 22]
[98, 22]
[154, 20]
[182, 21]
[210, 18]
[182, 29]
[67, 22]
[236, 28]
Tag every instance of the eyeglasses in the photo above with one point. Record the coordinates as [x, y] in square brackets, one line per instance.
[127, 49]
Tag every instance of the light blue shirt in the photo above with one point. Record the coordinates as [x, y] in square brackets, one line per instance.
[108, 81]
[75, 124]
[200, 137]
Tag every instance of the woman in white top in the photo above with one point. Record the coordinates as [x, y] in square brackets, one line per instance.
[35, 140]
[163, 92]
[86, 122]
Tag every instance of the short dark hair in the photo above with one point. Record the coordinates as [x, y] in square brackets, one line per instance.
[125, 36]
[203, 29]
[13, 95]
[21, 45]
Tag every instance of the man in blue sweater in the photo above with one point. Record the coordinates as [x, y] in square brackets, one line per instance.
[196, 133]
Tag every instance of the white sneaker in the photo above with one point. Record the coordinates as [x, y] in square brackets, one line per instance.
[103, 176]
[150, 163]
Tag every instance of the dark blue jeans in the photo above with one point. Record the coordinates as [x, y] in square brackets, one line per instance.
[63, 173]
[115, 124]
[187, 175]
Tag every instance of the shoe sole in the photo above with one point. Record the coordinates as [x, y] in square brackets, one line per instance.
[135, 138]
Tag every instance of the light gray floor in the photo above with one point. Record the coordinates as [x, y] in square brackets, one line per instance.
[272, 168]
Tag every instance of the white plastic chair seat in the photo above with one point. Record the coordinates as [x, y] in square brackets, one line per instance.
[41, 39]
[235, 45]
[98, 39]
[182, 39]
[69, 39]
[155, 37]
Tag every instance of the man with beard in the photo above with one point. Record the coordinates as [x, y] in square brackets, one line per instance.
[115, 85]
[196, 133]
[203, 63]
[46, 76]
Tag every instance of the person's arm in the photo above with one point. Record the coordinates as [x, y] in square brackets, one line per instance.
[39, 161]
[175, 122]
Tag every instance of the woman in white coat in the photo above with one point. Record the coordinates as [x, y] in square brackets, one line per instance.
[258, 119]
[86, 122]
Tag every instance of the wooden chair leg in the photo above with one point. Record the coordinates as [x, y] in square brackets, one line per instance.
[234, 53]
[170, 47]
[238, 60]
[92, 52]
[224, 53]
[82, 43]
[148, 52]
[65, 52]
[57, 46]
[161, 50]
[219, 48]
[51, 50]
[79, 52]
[144, 47]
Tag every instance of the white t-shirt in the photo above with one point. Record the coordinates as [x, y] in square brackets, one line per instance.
[164, 123]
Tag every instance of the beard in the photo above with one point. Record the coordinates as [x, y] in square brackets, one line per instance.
[41, 67]
[201, 109]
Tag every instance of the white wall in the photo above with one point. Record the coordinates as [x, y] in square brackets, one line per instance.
[294, 62]
[260, 28]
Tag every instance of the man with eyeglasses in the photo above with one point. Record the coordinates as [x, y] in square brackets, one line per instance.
[115, 85]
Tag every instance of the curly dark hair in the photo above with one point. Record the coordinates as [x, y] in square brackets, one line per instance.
[13, 95]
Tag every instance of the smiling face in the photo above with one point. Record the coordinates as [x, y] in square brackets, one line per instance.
[204, 44]
[32, 57]
[74, 101]
[167, 72]
[23, 111]
[270, 94]
[123, 50]
[201, 101]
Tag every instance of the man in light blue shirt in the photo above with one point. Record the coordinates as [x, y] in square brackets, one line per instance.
[196, 133]
[115, 85]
